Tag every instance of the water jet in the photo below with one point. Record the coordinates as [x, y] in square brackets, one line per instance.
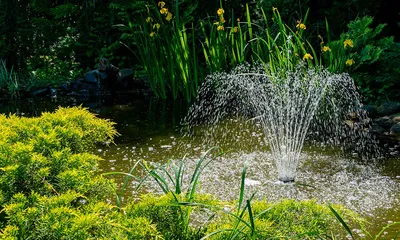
[290, 107]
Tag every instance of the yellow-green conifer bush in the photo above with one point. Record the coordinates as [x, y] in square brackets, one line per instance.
[49, 188]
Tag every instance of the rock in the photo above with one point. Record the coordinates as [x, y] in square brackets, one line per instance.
[125, 75]
[388, 108]
[385, 122]
[375, 128]
[370, 110]
[82, 84]
[53, 92]
[353, 116]
[395, 130]
[66, 87]
[395, 117]
[40, 92]
[92, 76]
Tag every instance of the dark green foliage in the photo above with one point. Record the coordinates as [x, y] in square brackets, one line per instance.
[375, 60]
[50, 42]
[290, 10]
[381, 82]
[341, 12]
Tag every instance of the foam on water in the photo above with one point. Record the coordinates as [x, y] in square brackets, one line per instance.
[326, 178]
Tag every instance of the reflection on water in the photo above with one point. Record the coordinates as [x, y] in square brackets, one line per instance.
[150, 131]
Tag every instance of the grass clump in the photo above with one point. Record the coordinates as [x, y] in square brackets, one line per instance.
[286, 219]
[166, 213]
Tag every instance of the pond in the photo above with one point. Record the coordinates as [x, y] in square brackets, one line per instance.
[151, 131]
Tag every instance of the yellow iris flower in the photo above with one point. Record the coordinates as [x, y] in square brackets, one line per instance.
[164, 10]
[326, 49]
[348, 42]
[350, 62]
[168, 17]
[152, 34]
[220, 28]
[301, 25]
[161, 4]
[307, 56]
[157, 25]
[220, 11]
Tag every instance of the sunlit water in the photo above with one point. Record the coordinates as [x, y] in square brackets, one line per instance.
[150, 131]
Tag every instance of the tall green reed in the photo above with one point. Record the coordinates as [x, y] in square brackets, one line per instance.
[128, 176]
[281, 47]
[167, 50]
[9, 80]
[223, 47]
[184, 198]
[244, 217]
[277, 45]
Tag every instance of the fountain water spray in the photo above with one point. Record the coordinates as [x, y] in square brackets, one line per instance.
[289, 107]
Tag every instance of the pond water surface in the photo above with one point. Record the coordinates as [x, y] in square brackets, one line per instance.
[151, 131]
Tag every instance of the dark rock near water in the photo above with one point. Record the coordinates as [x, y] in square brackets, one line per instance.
[370, 110]
[53, 92]
[81, 84]
[40, 92]
[105, 80]
[375, 128]
[385, 122]
[92, 76]
[395, 129]
[388, 108]
[396, 117]
[125, 75]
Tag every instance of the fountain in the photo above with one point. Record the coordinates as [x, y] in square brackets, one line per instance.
[289, 107]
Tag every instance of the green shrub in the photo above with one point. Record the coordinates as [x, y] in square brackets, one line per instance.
[380, 81]
[372, 60]
[49, 188]
[165, 212]
[50, 70]
[71, 216]
[357, 47]
[288, 219]
[44, 154]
